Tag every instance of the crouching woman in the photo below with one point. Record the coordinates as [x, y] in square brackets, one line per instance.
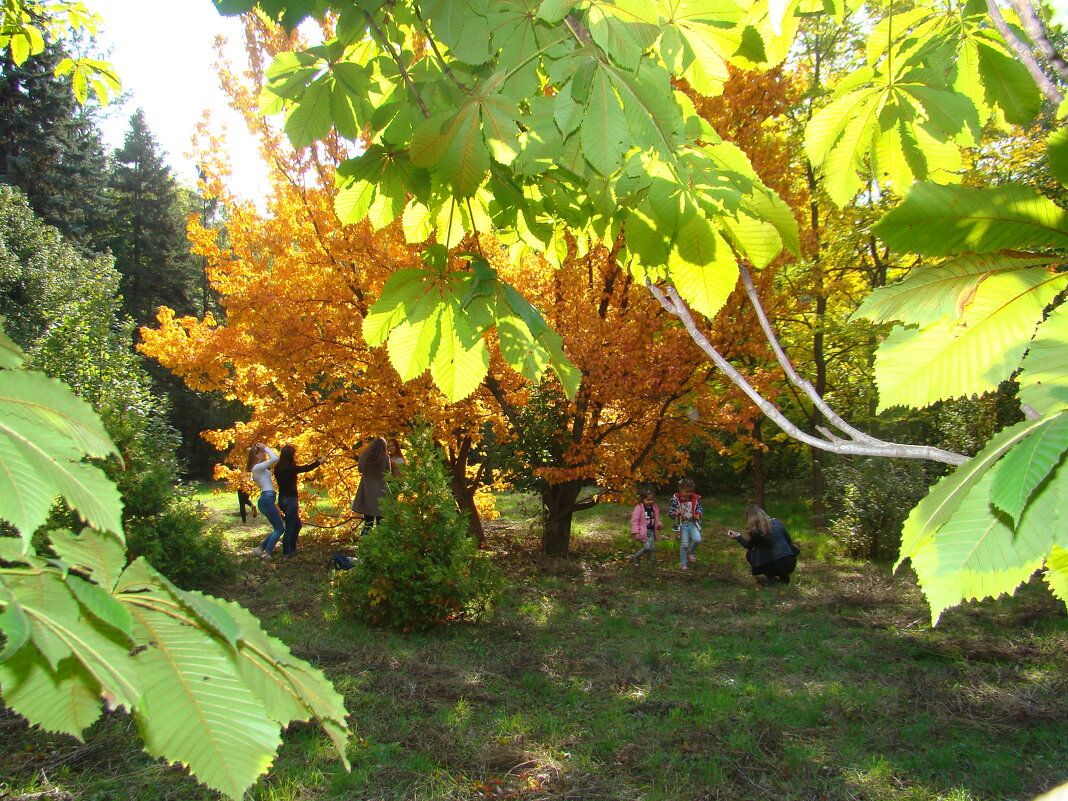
[768, 547]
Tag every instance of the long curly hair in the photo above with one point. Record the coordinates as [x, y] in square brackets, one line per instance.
[377, 453]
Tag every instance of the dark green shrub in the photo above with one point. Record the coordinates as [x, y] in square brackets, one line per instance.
[419, 568]
[65, 312]
[869, 499]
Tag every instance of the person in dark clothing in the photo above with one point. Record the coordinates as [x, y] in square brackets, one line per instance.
[243, 500]
[768, 547]
[285, 475]
[374, 466]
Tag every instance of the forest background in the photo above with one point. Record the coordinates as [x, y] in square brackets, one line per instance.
[74, 311]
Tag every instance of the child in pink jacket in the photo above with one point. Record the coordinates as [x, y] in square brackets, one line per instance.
[644, 523]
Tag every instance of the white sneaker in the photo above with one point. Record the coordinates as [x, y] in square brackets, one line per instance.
[257, 551]
[265, 555]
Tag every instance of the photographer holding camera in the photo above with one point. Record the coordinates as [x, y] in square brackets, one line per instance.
[768, 547]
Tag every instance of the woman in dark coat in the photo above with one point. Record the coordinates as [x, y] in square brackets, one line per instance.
[768, 547]
[374, 465]
[285, 473]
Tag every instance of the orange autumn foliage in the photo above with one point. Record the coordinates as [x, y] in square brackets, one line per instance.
[296, 284]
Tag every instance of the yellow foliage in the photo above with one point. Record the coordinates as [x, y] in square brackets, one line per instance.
[296, 285]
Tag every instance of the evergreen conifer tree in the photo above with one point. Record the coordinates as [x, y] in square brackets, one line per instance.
[418, 568]
[51, 149]
[148, 236]
[152, 255]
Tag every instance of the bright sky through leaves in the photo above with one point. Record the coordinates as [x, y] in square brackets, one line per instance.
[165, 55]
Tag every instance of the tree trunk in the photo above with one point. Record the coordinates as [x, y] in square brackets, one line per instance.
[818, 488]
[457, 457]
[758, 466]
[817, 485]
[465, 499]
[464, 493]
[558, 501]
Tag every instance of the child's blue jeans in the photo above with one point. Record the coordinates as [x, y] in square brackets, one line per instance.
[648, 549]
[689, 539]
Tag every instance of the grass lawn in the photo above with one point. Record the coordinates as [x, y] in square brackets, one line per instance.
[595, 679]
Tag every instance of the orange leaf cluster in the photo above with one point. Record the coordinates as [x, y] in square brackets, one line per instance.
[296, 284]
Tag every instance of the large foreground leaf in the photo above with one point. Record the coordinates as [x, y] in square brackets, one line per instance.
[196, 710]
[11, 355]
[970, 355]
[963, 547]
[207, 686]
[945, 496]
[1028, 464]
[291, 689]
[461, 360]
[102, 554]
[437, 321]
[61, 699]
[45, 430]
[932, 292]
[62, 630]
[1057, 572]
[936, 220]
[1043, 378]
[976, 554]
[1057, 155]
[702, 267]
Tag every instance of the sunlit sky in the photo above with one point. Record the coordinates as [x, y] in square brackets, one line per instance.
[165, 54]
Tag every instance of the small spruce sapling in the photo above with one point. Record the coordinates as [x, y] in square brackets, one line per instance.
[418, 568]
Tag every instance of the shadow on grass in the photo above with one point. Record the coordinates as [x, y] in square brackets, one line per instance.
[597, 679]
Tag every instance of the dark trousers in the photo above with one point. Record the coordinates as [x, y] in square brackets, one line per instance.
[291, 515]
[244, 500]
[777, 569]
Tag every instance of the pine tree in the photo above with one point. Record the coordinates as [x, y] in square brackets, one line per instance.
[418, 568]
[51, 149]
[148, 237]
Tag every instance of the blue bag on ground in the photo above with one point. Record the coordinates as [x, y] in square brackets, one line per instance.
[341, 562]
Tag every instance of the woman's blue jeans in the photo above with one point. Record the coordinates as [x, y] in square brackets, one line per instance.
[291, 513]
[266, 505]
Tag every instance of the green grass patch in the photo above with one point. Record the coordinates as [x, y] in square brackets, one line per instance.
[596, 679]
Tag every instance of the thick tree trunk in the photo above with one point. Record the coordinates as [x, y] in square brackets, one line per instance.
[558, 501]
[464, 494]
[463, 488]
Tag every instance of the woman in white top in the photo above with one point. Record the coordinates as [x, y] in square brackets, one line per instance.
[260, 461]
